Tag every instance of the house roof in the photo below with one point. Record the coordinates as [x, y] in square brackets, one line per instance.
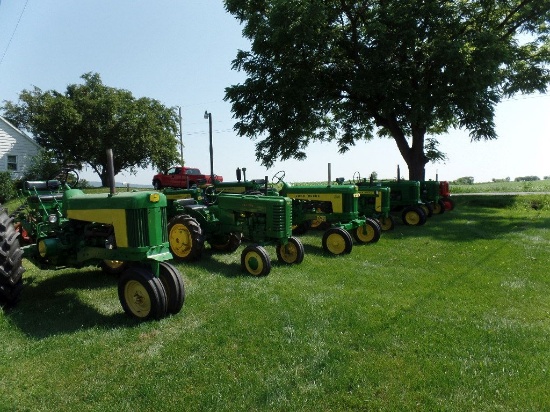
[19, 132]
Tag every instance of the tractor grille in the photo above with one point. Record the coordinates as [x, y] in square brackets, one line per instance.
[137, 223]
[280, 221]
[140, 221]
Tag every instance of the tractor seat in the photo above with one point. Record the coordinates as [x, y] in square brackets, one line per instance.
[195, 207]
[186, 202]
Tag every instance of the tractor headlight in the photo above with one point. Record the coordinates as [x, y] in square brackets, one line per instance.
[52, 218]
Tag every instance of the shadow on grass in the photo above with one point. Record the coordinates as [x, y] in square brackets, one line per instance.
[54, 306]
[477, 217]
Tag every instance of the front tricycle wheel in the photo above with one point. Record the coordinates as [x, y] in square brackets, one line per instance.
[255, 260]
[141, 294]
[292, 252]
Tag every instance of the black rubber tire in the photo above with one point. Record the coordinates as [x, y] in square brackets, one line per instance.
[226, 243]
[413, 216]
[337, 241]
[185, 238]
[141, 294]
[439, 207]
[11, 268]
[157, 185]
[173, 285]
[372, 234]
[428, 209]
[387, 223]
[292, 252]
[449, 203]
[255, 260]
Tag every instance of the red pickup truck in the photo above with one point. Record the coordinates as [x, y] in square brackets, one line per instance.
[182, 177]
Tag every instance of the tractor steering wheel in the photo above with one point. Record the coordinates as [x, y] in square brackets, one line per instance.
[68, 176]
[356, 177]
[278, 177]
[210, 196]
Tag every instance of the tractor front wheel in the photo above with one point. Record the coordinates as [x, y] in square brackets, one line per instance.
[185, 238]
[337, 241]
[387, 223]
[141, 294]
[413, 216]
[11, 269]
[173, 285]
[428, 209]
[292, 252]
[367, 233]
[439, 207]
[157, 185]
[255, 260]
[113, 267]
[449, 203]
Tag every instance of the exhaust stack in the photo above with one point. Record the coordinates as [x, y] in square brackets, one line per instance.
[111, 172]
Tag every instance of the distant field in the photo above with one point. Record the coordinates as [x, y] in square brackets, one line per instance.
[535, 186]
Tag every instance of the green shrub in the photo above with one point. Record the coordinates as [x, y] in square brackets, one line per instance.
[7, 187]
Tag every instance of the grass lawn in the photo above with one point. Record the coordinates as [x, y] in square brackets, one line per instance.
[453, 316]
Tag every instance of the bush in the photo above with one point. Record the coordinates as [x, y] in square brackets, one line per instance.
[527, 179]
[7, 187]
[466, 180]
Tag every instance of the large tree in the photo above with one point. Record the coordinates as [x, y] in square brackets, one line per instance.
[346, 70]
[79, 125]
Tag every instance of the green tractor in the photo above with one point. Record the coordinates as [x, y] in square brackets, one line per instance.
[430, 194]
[243, 186]
[374, 201]
[123, 233]
[405, 199]
[225, 219]
[332, 207]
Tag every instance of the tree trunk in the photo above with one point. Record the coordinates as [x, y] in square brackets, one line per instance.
[413, 155]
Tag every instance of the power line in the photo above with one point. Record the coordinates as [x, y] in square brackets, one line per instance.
[14, 30]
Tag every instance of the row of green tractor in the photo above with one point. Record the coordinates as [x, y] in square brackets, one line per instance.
[136, 234]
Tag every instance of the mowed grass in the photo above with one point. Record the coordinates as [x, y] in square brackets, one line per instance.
[452, 316]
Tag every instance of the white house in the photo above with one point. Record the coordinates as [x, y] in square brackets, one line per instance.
[16, 148]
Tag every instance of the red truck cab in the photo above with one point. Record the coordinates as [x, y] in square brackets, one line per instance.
[182, 177]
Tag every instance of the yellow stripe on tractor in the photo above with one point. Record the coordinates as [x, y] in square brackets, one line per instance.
[114, 217]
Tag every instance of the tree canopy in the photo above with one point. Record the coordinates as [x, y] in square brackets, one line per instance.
[81, 124]
[347, 70]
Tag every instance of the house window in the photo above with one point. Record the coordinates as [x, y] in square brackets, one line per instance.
[12, 163]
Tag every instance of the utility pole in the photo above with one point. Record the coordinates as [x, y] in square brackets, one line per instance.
[181, 134]
[209, 117]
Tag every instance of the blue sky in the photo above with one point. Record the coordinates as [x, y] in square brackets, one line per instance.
[180, 53]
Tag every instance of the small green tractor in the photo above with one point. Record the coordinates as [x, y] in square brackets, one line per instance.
[429, 193]
[333, 207]
[123, 233]
[243, 186]
[374, 201]
[405, 199]
[224, 220]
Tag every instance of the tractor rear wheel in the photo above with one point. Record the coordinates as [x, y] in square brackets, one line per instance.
[337, 241]
[11, 269]
[141, 294]
[367, 233]
[226, 243]
[185, 238]
[292, 252]
[173, 285]
[413, 216]
[255, 260]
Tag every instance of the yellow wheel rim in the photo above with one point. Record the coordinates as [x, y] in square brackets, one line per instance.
[137, 299]
[336, 243]
[254, 263]
[412, 218]
[437, 208]
[365, 233]
[114, 264]
[180, 240]
[385, 223]
[289, 252]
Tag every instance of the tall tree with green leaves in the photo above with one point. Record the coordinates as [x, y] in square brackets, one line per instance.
[79, 126]
[410, 70]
